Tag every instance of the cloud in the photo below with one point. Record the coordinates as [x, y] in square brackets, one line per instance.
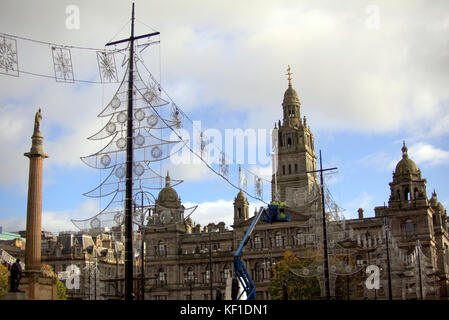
[54, 221]
[380, 161]
[422, 153]
[425, 154]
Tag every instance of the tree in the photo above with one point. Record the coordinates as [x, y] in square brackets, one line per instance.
[48, 271]
[298, 288]
[4, 281]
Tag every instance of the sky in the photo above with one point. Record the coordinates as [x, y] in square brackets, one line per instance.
[369, 75]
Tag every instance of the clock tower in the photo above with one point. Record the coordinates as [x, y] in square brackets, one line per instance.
[296, 150]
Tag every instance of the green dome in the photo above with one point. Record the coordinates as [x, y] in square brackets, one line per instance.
[406, 166]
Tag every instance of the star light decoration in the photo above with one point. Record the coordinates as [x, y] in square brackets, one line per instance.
[62, 62]
[8, 57]
[107, 67]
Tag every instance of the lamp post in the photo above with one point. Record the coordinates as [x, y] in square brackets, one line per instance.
[210, 265]
[419, 270]
[141, 225]
[386, 226]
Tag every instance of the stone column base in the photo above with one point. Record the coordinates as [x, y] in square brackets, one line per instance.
[16, 296]
[38, 287]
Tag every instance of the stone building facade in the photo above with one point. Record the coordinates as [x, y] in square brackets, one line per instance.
[186, 261]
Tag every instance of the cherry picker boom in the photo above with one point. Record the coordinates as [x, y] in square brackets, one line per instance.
[273, 213]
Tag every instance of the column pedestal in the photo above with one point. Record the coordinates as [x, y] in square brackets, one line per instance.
[38, 287]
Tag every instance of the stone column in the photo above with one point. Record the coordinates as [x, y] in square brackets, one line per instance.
[34, 205]
[35, 284]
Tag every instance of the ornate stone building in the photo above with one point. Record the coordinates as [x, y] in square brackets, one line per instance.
[186, 261]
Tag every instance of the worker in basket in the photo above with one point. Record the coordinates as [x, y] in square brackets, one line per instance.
[280, 209]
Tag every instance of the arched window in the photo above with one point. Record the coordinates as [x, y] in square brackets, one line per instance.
[289, 169]
[407, 194]
[296, 168]
[240, 212]
[283, 169]
[289, 142]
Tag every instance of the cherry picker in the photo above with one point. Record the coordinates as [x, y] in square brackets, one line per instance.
[275, 212]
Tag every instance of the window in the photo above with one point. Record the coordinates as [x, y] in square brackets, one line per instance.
[289, 142]
[259, 272]
[359, 260]
[289, 169]
[257, 242]
[407, 194]
[296, 168]
[190, 275]
[278, 239]
[161, 276]
[226, 273]
[283, 169]
[161, 248]
[408, 227]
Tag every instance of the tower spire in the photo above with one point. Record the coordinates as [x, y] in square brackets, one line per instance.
[289, 74]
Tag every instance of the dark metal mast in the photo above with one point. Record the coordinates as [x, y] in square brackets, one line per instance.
[387, 240]
[419, 271]
[129, 276]
[326, 256]
[387, 247]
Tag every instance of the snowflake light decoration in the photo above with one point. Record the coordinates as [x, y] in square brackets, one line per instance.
[224, 167]
[8, 57]
[242, 178]
[62, 62]
[258, 186]
[106, 65]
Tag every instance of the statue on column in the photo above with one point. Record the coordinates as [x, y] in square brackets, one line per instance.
[16, 275]
[37, 120]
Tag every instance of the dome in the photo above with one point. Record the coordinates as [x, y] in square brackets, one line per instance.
[406, 166]
[290, 97]
[168, 194]
[240, 196]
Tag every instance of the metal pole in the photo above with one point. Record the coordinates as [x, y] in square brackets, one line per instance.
[390, 291]
[326, 261]
[90, 270]
[129, 276]
[95, 277]
[347, 280]
[210, 266]
[419, 270]
[142, 249]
